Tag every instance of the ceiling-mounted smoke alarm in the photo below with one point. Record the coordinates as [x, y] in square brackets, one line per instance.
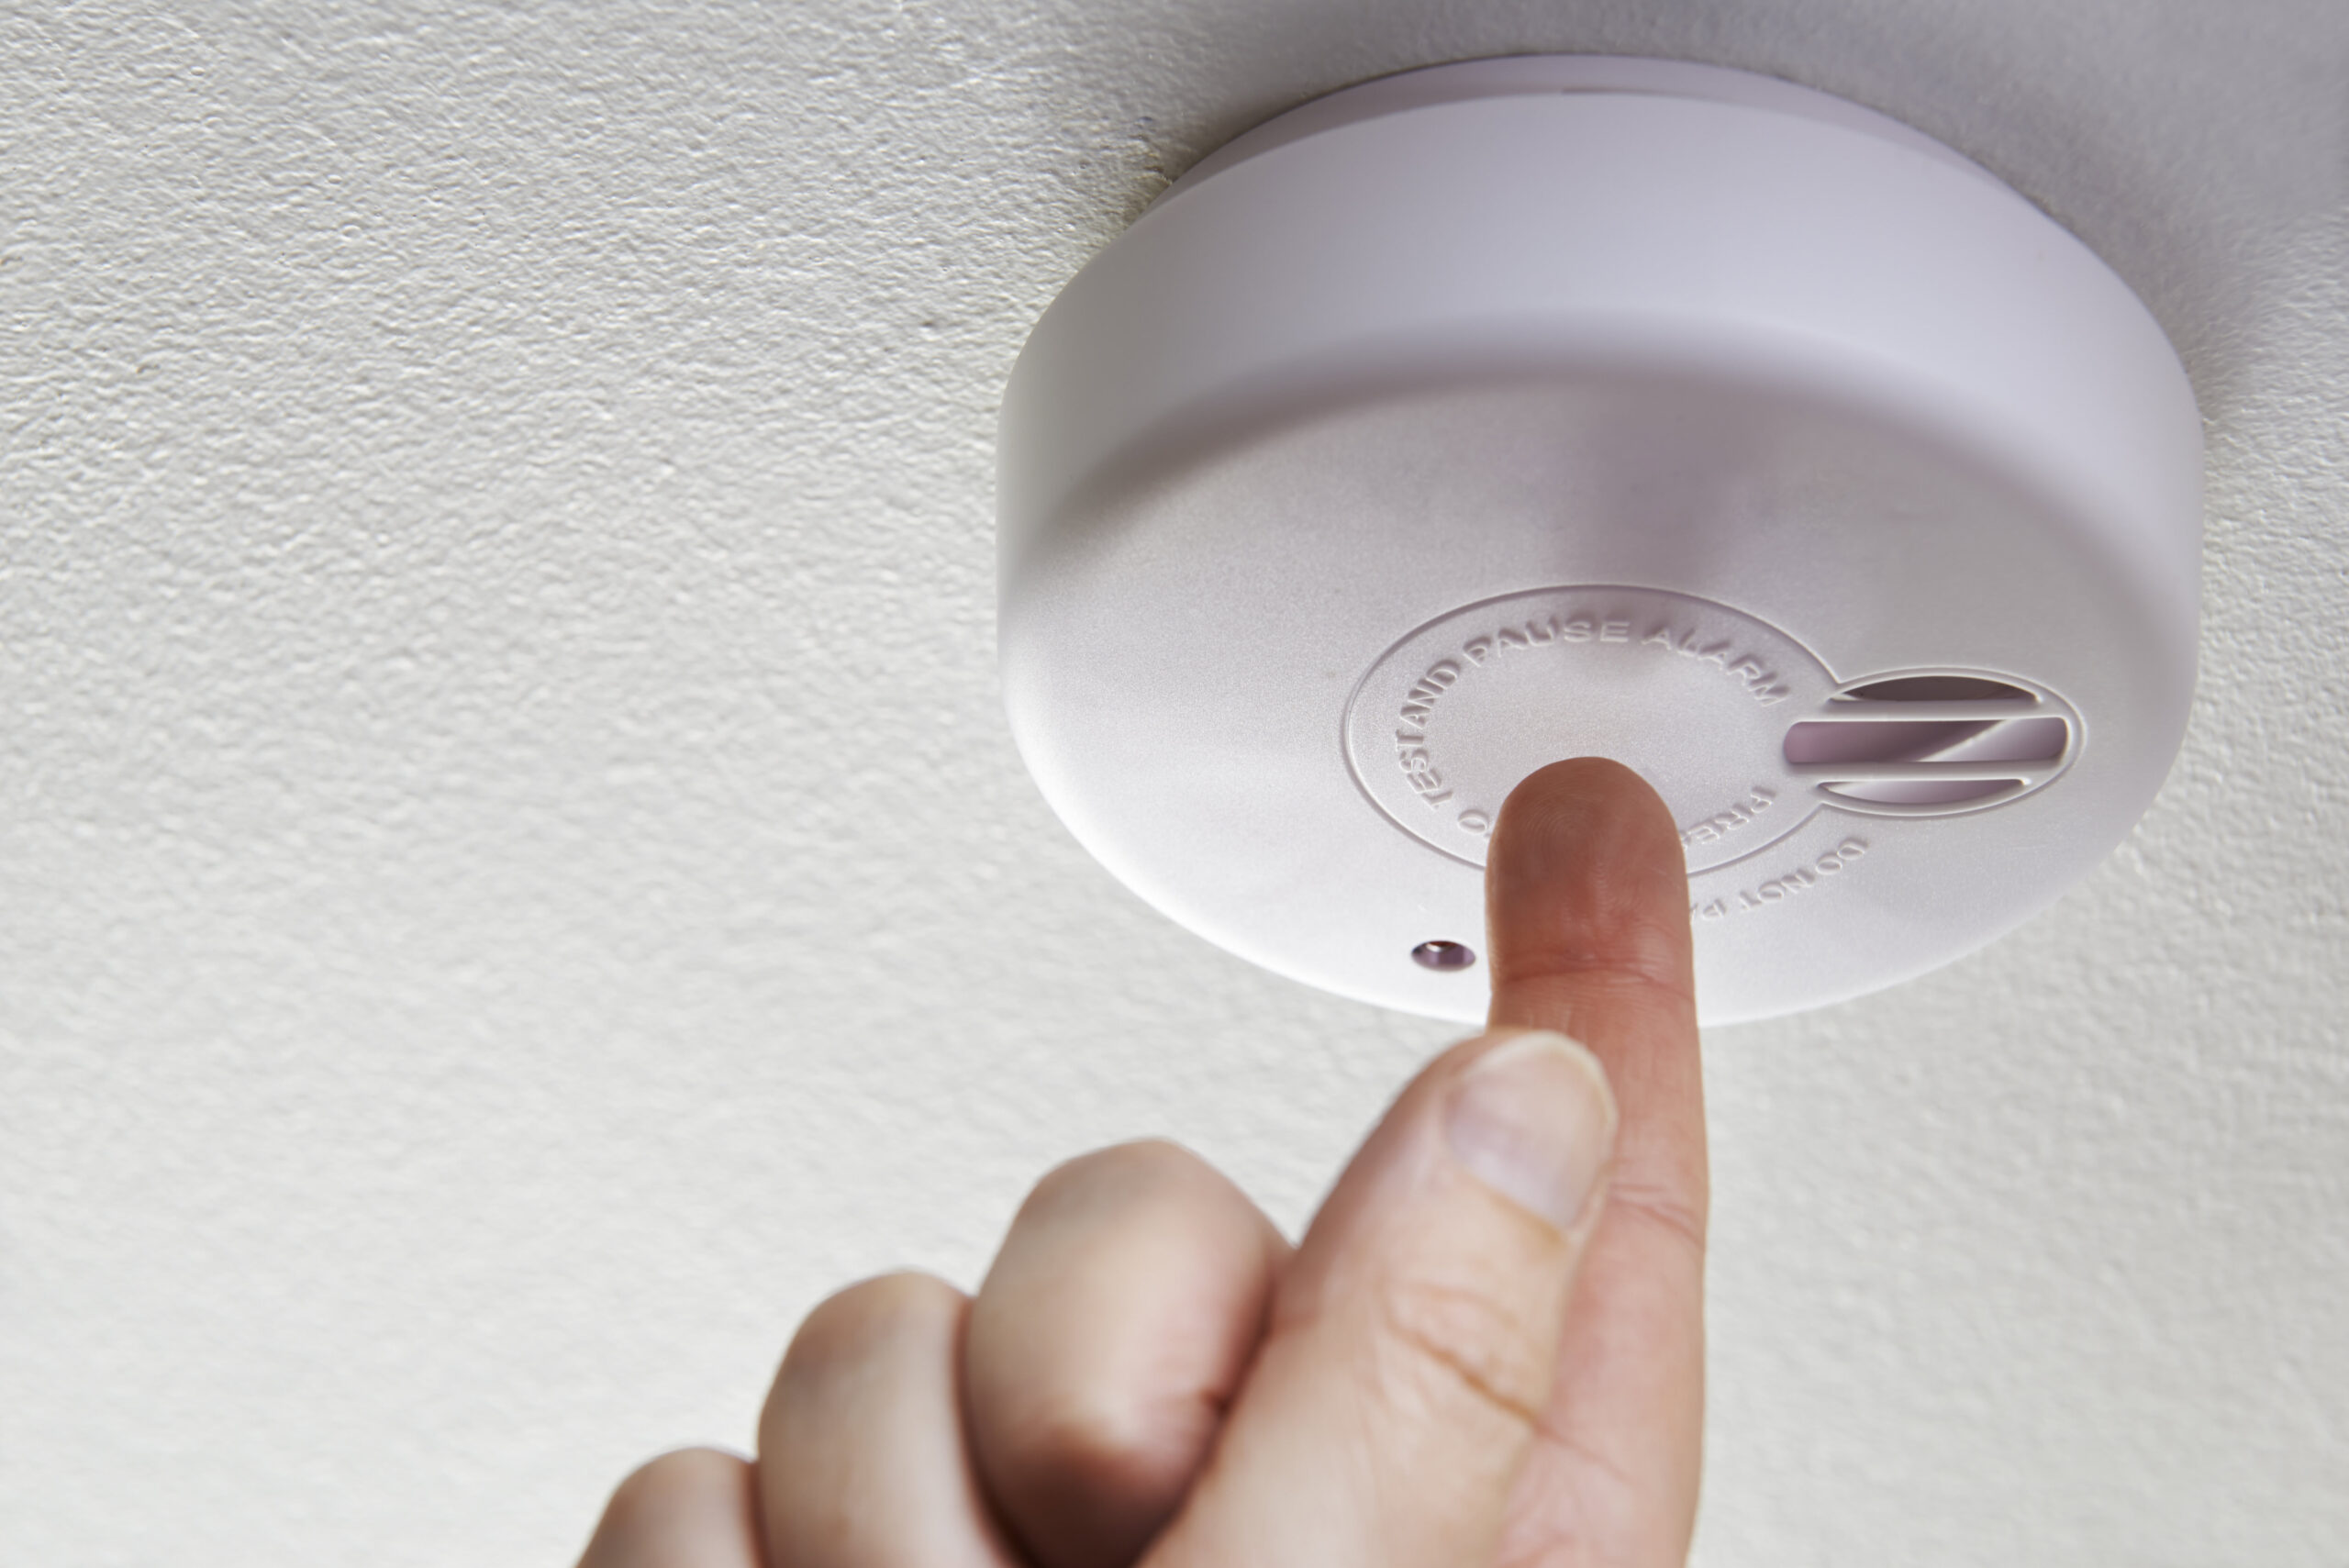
[1533, 408]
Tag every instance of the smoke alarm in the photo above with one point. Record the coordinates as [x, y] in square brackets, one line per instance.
[1533, 408]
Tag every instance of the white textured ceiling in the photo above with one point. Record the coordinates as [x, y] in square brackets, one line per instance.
[512, 883]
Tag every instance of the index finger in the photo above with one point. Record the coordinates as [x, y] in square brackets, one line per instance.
[1587, 906]
[1588, 934]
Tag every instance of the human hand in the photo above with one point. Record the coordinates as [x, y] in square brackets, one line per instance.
[1488, 1347]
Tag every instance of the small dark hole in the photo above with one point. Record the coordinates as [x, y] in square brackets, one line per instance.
[1444, 955]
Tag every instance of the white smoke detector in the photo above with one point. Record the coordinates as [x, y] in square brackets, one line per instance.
[1533, 408]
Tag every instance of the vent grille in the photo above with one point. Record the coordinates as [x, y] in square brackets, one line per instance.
[1930, 745]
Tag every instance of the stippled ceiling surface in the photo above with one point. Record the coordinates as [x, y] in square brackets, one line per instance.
[513, 881]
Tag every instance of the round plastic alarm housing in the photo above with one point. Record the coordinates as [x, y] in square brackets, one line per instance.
[1551, 406]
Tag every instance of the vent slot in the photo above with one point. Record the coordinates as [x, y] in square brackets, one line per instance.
[1920, 745]
[1938, 688]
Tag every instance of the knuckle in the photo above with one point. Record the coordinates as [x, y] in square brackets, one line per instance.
[890, 1319]
[1650, 969]
[1096, 1441]
[903, 1293]
[1443, 1345]
[668, 1482]
[1666, 1212]
[852, 1322]
[1124, 1170]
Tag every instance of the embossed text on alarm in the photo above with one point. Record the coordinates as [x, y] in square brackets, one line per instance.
[1784, 885]
[1757, 800]
[1760, 682]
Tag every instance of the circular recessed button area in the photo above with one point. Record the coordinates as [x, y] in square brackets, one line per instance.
[1693, 693]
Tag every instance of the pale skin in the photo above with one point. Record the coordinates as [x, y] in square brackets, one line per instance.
[1487, 1349]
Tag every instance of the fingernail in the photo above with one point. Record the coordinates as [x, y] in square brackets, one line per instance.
[1534, 1120]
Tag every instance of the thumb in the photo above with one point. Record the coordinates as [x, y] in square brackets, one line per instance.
[1414, 1337]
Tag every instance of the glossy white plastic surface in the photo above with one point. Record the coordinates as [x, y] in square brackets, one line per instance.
[1533, 408]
